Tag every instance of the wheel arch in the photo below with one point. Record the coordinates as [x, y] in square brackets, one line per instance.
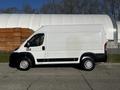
[30, 56]
[27, 55]
[90, 54]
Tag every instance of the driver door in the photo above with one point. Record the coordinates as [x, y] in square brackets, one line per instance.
[36, 47]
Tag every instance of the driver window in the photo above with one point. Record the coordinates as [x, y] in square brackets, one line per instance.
[36, 40]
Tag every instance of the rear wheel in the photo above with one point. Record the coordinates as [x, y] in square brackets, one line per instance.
[24, 64]
[88, 64]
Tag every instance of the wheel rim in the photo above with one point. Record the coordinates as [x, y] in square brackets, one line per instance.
[24, 64]
[88, 64]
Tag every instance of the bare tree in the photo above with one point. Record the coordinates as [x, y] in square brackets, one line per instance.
[71, 7]
[27, 9]
[112, 7]
[10, 10]
[52, 7]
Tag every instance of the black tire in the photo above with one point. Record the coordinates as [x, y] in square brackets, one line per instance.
[87, 64]
[24, 64]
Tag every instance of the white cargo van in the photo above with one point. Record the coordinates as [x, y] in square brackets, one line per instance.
[82, 44]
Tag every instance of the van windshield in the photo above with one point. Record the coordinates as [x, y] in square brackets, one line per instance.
[36, 40]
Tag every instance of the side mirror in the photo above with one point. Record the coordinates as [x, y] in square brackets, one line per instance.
[27, 44]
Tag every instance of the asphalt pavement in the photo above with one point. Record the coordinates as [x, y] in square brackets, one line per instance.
[103, 77]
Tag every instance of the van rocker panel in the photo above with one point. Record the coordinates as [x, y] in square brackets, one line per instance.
[57, 59]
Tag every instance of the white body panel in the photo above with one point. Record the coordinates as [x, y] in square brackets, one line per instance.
[35, 21]
[68, 41]
[118, 25]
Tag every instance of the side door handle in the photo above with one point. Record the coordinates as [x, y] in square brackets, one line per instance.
[43, 48]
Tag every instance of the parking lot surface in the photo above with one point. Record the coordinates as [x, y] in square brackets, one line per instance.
[103, 77]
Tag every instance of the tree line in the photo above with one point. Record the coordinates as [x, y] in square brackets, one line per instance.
[110, 7]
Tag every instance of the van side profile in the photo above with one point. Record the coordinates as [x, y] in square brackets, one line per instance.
[62, 39]
[82, 44]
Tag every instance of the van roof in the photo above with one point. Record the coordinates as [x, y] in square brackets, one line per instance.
[70, 28]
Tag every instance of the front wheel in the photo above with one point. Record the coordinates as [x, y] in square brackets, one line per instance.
[88, 64]
[24, 64]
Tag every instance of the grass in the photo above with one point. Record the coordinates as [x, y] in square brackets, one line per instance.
[114, 58]
[4, 56]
